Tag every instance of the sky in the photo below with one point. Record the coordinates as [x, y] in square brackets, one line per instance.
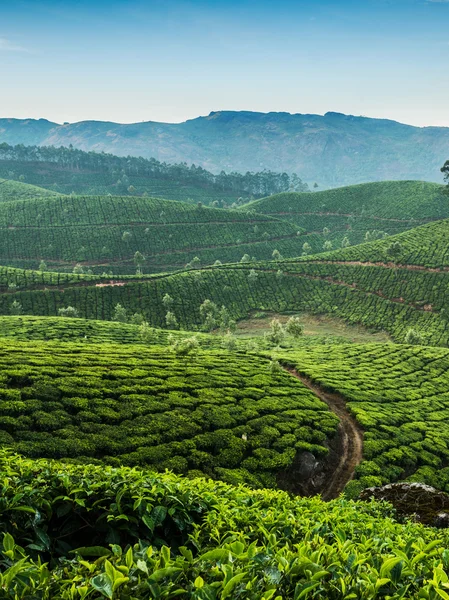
[172, 60]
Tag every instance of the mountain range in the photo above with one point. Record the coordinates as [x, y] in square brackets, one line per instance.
[332, 150]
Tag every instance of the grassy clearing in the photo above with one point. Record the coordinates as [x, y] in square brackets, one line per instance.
[321, 326]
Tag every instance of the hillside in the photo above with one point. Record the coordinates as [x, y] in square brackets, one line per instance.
[424, 246]
[16, 190]
[352, 212]
[68, 170]
[333, 149]
[388, 389]
[104, 233]
[378, 295]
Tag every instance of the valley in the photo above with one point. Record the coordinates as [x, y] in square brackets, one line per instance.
[193, 397]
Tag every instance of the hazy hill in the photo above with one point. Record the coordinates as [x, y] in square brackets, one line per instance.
[69, 170]
[377, 208]
[333, 149]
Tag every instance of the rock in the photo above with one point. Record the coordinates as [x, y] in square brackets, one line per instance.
[422, 502]
[306, 466]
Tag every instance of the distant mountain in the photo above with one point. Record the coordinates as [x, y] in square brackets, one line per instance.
[333, 149]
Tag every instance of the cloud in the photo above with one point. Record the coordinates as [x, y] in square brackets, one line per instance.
[8, 46]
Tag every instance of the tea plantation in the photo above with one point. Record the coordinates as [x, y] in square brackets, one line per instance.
[382, 207]
[105, 233]
[400, 396]
[16, 190]
[225, 415]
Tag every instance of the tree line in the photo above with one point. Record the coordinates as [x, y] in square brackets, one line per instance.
[260, 184]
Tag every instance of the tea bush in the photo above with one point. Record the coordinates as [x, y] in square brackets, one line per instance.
[72, 532]
[226, 415]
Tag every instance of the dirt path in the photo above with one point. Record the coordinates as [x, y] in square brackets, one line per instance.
[351, 437]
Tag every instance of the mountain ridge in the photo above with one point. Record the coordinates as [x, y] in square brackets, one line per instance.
[333, 149]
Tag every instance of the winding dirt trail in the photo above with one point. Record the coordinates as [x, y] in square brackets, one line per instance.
[351, 437]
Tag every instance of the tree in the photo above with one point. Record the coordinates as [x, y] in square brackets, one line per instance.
[345, 243]
[279, 274]
[315, 185]
[326, 231]
[445, 170]
[78, 269]
[171, 321]
[126, 236]
[229, 342]
[327, 245]
[145, 332]
[276, 255]
[306, 248]
[276, 334]
[167, 301]
[183, 347]
[209, 314]
[246, 258]
[414, 338]
[217, 263]
[42, 266]
[137, 319]
[294, 327]
[120, 314]
[16, 308]
[253, 276]
[265, 236]
[139, 259]
[68, 311]
[394, 250]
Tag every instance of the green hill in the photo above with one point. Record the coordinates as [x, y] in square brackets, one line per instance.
[381, 297]
[17, 190]
[425, 246]
[104, 233]
[358, 212]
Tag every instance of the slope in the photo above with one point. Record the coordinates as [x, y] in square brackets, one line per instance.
[333, 149]
[17, 190]
[399, 395]
[105, 233]
[359, 212]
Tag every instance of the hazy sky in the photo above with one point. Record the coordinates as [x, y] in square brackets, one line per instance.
[171, 60]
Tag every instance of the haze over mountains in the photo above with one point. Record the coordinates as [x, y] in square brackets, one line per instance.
[333, 149]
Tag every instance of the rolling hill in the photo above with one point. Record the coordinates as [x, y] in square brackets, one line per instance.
[333, 149]
[352, 212]
[16, 190]
[105, 233]
[383, 296]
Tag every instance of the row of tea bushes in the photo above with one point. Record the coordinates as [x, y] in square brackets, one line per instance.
[400, 396]
[226, 415]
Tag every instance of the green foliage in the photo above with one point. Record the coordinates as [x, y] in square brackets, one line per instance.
[126, 233]
[120, 315]
[68, 311]
[86, 531]
[135, 405]
[399, 395]
[384, 207]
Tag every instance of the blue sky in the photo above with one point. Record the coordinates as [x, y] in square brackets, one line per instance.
[171, 60]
